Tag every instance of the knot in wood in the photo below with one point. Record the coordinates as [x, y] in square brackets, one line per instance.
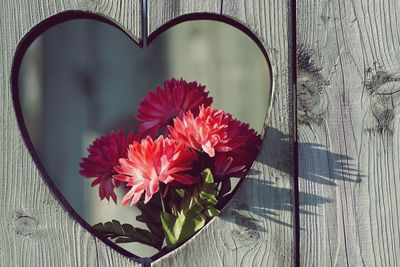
[384, 92]
[311, 94]
[25, 225]
[246, 237]
[246, 232]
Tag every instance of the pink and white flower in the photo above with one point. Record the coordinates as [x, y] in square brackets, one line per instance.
[150, 163]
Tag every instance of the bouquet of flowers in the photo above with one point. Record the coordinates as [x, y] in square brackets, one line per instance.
[176, 169]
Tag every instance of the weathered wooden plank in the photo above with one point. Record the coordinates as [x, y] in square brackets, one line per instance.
[256, 227]
[34, 229]
[348, 87]
[165, 11]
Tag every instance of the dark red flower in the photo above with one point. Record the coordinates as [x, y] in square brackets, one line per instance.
[237, 162]
[158, 108]
[227, 165]
[244, 139]
[104, 154]
[150, 163]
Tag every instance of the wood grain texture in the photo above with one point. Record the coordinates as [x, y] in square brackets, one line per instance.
[256, 227]
[34, 229]
[348, 98]
[165, 11]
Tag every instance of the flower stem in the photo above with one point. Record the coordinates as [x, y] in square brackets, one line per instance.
[162, 201]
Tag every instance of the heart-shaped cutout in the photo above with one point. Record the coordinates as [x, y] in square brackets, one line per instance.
[83, 78]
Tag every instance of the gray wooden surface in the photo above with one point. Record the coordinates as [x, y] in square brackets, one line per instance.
[348, 91]
[348, 64]
[256, 227]
[35, 230]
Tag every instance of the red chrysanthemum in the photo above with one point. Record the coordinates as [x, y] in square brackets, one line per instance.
[227, 165]
[158, 108]
[151, 162]
[212, 130]
[104, 154]
[238, 162]
[244, 139]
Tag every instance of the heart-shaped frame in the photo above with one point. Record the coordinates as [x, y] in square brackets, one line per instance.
[240, 227]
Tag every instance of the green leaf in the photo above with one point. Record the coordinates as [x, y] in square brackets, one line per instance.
[186, 201]
[225, 187]
[208, 195]
[198, 222]
[194, 210]
[151, 217]
[127, 233]
[180, 228]
[208, 190]
[141, 218]
[180, 192]
[152, 212]
[168, 221]
[207, 176]
[124, 240]
[191, 212]
[211, 212]
[208, 199]
[154, 227]
[188, 226]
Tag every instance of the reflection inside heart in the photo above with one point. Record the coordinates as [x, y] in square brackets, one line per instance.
[82, 79]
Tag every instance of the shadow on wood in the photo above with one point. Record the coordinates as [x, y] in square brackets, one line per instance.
[331, 167]
[242, 214]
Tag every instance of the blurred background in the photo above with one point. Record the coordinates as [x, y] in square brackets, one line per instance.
[83, 78]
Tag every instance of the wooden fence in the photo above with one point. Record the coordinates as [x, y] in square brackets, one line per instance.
[323, 191]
